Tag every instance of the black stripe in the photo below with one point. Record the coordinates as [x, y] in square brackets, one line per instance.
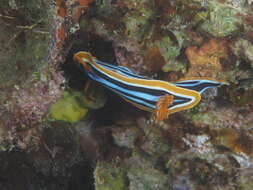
[130, 87]
[94, 77]
[139, 89]
[201, 86]
[121, 70]
[187, 82]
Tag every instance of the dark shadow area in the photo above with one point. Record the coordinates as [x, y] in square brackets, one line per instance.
[81, 177]
[94, 44]
[76, 77]
[59, 163]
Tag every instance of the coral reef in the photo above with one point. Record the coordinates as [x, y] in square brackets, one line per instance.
[30, 78]
[62, 131]
[243, 49]
[109, 177]
[142, 175]
[172, 40]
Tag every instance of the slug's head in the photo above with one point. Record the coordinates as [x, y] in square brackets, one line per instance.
[84, 58]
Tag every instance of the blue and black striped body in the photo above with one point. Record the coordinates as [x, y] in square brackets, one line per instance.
[142, 91]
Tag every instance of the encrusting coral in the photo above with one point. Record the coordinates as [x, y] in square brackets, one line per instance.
[205, 61]
[76, 134]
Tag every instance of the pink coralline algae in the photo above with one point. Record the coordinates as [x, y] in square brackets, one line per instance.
[28, 106]
[32, 105]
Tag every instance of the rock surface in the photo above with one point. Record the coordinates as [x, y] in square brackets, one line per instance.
[59, 130]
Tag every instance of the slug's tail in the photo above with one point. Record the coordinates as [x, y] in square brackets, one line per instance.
[198, 84]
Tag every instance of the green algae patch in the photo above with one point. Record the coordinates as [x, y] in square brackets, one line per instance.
[109, 177]
[125, 137]
[176, 66]
[196, 114]
[147, 179]
[137, 21]
[155, 144]
[243, 49]
[25, 38]
[73, 105]
[168, 49]
[68, 108]
[221, 20]
[143, 176]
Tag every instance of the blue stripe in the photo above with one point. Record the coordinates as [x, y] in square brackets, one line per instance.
[137, 101]
[199, 85]
[185, 85]
[125, 69]
[205, 89]
[121, 90]
[130, 92]
[141, 94]
[196, 82]
[135, 94]
[132, 95]
[120, 69]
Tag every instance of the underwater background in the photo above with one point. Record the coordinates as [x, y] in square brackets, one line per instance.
[61, 131]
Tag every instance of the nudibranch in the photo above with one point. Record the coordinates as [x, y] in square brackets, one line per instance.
[160, 97]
